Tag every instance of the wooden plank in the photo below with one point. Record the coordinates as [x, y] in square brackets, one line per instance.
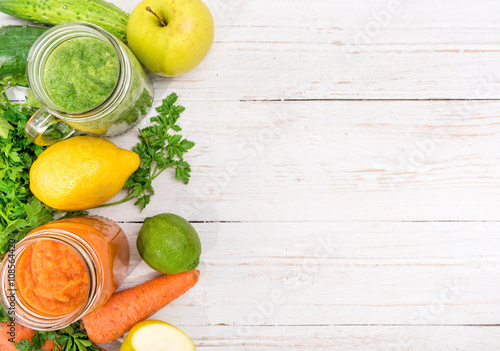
[342, 338]
[333, 161]
[292, 49]
[357, 50]
[307, 274]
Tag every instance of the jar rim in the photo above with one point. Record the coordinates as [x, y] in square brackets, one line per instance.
[52, 38]
[28, 316]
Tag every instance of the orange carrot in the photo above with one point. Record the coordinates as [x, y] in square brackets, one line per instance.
[127, 307]
[12, 331]
[48, 346]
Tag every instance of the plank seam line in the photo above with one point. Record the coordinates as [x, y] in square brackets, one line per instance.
[353, 221]
[354, 325]
[313, 100]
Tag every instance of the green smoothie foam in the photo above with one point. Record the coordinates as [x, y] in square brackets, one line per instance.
[81, 73]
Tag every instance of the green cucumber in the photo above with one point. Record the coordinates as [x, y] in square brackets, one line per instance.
[51, 12]
[15, 44]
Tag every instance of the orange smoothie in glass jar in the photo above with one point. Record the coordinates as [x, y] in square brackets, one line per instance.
[52, 278]
[64, 270]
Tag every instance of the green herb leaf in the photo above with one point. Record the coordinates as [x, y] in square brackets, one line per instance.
[37, 213]
[20, 211]
[32, 101]
[71, 338]
[5, 128]
[38, 340]
[13, 80]
[158, 150]
[25, 345]
[4, 317]
[19, 79]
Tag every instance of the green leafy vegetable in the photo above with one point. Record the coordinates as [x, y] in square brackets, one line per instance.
[20, 211]
[26, 345]
[13, 80]
[4, 317]
[32, 101]
[71, 338]
[158, 150]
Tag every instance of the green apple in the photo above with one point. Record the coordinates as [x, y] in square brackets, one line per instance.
[153, 335]
[170, 37]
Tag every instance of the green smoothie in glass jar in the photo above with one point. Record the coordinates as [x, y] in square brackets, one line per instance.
[88, 79]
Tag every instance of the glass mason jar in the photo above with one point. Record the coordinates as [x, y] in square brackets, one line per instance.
[127, 104]
[95, 244]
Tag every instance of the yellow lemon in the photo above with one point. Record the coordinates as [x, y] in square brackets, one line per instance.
[81, 172]
[155, 335]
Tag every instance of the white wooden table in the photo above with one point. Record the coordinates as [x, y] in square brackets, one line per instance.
[346, 177]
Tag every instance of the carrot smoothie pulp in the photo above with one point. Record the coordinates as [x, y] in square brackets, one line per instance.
[52, 278]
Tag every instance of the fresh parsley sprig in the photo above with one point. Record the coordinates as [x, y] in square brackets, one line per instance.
[159, 149]
[20, 211]
[71, 338]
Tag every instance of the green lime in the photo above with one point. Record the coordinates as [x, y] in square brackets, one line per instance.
[169, 244]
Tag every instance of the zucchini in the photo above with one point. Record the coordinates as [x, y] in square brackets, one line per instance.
[52, 12]
[15, 44]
